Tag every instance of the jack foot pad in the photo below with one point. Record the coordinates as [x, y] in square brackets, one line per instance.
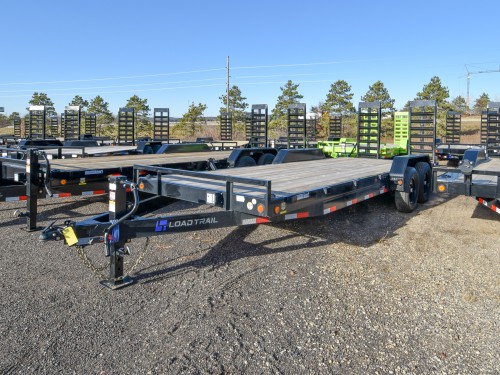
[117, 284]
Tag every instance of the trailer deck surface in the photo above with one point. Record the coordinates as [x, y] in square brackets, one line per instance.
[81, 164]
[290, 178]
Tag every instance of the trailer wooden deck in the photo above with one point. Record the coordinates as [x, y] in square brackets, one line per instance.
[106, 162]
[290, 178]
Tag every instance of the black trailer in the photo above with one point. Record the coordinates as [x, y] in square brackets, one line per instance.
[477, 175]
[283, 190]
[29, 175]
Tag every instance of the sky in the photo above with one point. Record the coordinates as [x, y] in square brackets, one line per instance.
[173, 53]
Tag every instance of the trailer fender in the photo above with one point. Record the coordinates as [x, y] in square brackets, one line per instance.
[245, 153]
[399, 165]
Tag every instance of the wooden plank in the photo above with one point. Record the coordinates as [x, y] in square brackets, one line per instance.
[491, 165]
[129, 160]
[292, 178]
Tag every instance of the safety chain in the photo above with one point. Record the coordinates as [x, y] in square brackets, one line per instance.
[139, 259]
[82, 254]
[86, 260]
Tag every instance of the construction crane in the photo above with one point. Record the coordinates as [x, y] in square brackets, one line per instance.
[468, 81]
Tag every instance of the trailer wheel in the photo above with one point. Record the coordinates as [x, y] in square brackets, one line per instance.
[406, 200]
[265, 159]
[245, 161]
[425, 181]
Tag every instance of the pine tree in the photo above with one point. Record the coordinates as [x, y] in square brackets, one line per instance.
[289, 95]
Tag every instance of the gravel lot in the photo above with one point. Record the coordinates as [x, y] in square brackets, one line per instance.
[363, 290]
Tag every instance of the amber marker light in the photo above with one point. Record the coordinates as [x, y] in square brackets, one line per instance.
[276, 210]
[400, 182]
[441, 188]
[141, 185]
[260, 208]
[63, 182]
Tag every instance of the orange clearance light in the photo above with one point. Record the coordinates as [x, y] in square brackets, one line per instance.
[260, 208]
[276, 210]
[63, 182]
[400, 182]
[141, 185]
[441, 188]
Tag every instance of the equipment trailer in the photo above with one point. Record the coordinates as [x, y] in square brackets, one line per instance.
[34, 176]
[263, 194]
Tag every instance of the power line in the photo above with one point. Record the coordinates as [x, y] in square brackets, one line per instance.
[184, 72]
[112, 78]
[156, 83]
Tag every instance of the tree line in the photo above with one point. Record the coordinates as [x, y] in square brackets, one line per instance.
[338, 100]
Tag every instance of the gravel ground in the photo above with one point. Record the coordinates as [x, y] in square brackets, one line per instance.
[363, 290]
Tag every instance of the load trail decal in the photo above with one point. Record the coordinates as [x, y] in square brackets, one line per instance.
[163, 225]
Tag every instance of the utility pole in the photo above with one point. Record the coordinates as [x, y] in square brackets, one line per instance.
[227, 87]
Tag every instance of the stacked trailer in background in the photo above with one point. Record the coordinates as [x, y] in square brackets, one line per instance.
[422, 127]
[369, 121]
[296, 125]
[72, 123]
[334, 126]
[161, 124]
[90, 124]
[226, 126]
[126, 126]
[37, 125]
[259, 126]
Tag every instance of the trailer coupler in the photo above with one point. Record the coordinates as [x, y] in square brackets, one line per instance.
[53, 232]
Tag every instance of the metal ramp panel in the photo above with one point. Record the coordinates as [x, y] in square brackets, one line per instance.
[335, 126]
[484, 126]
[54, 126]
[368, 138]
[126, 126]
[453, 127]
[37, 126]
[422, 137]
[401, 128]
[90, 124]
[161, 124]
[296, 126]
[311, 129]
[493, 129]
[72, 122]
[17, 127]
[248, 126]
[259, 126]
[226, 126]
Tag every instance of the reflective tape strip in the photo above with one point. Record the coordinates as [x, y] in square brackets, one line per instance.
[329, 210]
[299, 215]
[351, 202]
[16, 199]
[492, 206]
[95, 192]
[61, 195]
[258, 220]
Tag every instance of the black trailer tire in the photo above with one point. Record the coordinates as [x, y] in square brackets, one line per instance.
[265, 159]
[425, 181]
[245, 161]
[406, 200]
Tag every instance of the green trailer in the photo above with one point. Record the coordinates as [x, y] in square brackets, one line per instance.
[336, 147]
